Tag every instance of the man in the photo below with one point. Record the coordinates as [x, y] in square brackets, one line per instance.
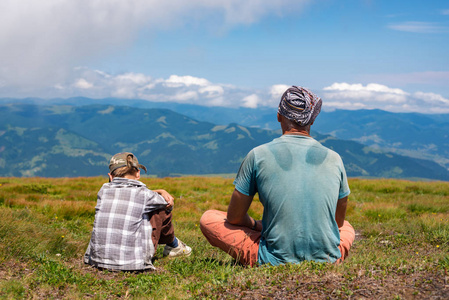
[131, 220]
[303, 188]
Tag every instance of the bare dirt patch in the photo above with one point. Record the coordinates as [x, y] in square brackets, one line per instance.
[333, 286]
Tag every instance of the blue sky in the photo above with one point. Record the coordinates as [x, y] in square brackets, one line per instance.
[383, 54]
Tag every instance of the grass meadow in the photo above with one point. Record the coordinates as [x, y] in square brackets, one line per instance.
[401, 249]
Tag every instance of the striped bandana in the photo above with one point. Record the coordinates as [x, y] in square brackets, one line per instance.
[300, 105]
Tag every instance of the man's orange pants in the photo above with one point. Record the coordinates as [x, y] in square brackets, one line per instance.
[242, 243]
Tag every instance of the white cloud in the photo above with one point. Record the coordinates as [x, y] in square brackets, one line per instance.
[269, 99]
[445, 12]
[185, 96]
[41, 41]
[83, 84]
[426, 77]
[372, 87]
[122, 92]
[178, 81]
[212, 91]
[419, 27]
[251, 101]
[176, 88]
[86, 82]
[433, 98]
[369, 93]
[277, 90]
[377, 96]
[131, 78]
[200, 91]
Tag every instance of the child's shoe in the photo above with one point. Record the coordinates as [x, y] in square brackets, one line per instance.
[181, 250]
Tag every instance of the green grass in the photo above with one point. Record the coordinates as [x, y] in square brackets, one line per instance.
[401, 249]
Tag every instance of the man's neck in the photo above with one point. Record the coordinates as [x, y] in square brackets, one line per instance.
[296, 132]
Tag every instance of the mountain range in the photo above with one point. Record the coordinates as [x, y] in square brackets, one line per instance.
[409, 134]
[61, 139]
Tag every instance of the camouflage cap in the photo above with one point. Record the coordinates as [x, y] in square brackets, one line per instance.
[120, 160]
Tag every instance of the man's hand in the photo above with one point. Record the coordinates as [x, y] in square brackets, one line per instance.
[169, 198]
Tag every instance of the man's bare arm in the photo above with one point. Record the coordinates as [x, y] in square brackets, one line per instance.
[340, 213]
[238, 211]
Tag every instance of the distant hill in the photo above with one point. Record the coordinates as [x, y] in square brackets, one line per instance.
[78, 141]
[65, 140]
[410, 134]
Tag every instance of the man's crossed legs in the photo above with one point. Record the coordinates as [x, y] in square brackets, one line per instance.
[242, 243]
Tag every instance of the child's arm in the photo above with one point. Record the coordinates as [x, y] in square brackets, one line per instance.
[169, 198]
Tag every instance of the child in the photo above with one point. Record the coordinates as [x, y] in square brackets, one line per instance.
[131, 220]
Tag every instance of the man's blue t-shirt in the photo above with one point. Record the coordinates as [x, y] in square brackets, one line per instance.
[299, 182]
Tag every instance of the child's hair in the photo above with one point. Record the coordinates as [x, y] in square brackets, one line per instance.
[129, 169]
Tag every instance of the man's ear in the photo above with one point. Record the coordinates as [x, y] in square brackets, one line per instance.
[110, 177]
[138, 175]
[279, 118]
